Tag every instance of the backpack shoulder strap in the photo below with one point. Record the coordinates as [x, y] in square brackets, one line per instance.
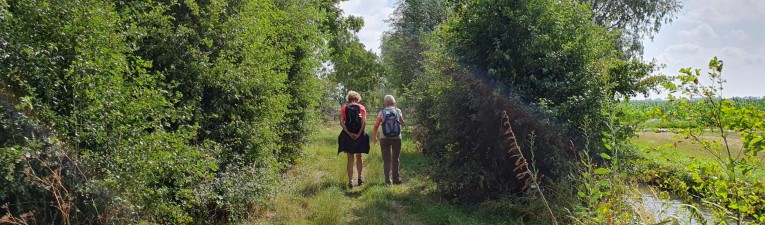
[394, 111]
[386, 111]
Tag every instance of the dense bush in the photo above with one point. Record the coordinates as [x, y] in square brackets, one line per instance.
[160, 111]
[459, 126]
[549, 53]
[545, 62]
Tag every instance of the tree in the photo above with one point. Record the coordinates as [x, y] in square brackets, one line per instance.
[636, 19]
[355, 68]
[303, 85]
[402, 47]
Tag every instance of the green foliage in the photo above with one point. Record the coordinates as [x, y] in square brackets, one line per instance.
[170, 112]
[355, 68]
[728, 182]
[302, 84]
[602, 188]
[665, 114]
[491, 56]
[458, 128]
[550, 54]
[402, 48]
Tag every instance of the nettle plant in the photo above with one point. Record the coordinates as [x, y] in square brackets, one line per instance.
[732, 183]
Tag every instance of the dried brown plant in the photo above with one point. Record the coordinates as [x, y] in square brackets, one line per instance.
[521, 164]
[54, 182]
[9, 218]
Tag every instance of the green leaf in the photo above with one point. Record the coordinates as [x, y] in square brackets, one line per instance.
[605, 156]
[733, 205]
[601, 171]
[755, 141]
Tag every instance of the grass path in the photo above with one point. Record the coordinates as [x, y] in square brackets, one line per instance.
[314, 191]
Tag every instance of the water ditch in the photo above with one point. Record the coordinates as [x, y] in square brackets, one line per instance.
[671, 209]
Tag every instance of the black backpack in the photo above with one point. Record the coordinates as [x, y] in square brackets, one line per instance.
[353, 118]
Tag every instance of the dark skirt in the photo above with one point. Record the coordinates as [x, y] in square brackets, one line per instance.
[346, 144]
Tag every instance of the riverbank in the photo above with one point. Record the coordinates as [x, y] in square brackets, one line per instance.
[696, 176]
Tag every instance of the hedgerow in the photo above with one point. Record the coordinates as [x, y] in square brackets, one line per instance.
[169, 112]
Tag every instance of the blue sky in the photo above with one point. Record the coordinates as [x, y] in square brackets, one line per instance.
[733, 30]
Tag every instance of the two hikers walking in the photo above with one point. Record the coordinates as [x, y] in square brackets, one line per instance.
[354, 141]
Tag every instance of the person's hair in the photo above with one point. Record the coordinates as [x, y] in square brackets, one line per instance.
[389, 100]
[353, 96]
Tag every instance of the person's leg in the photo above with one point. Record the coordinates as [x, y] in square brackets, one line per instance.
[396, 151]
[385, 150]
[350, 169]
[360, 168]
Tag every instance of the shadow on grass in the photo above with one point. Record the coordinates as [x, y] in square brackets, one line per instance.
[311, 189]
[415, 201]
[358, 191]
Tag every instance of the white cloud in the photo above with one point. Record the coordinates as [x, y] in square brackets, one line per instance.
[666, 58]
[683, 49]
[732, 30]
[741, 55]
[738, 35]
[724, 11]
[374, 12]
[734, 52]
[701, 31]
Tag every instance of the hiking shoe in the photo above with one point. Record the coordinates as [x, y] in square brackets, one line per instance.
[350, 185]
[361, 181]
[397, 182]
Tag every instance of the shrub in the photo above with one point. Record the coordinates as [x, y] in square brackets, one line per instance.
[544, 62]
[460, 127]
[163, 112]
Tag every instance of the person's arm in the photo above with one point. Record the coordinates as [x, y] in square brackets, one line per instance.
[374, 133]
[363, 126]
[345, 129]
[400, 117]
[363, 123]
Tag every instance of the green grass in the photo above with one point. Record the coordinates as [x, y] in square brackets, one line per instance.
[671, 150]
[667, 124]
[314, 191]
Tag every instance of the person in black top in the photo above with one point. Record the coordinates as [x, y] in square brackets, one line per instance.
[353, 139]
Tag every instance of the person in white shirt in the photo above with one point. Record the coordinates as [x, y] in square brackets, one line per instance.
[392, 120]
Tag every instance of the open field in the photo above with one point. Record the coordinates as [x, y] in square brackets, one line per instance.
[672, 149]
[669, 143]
